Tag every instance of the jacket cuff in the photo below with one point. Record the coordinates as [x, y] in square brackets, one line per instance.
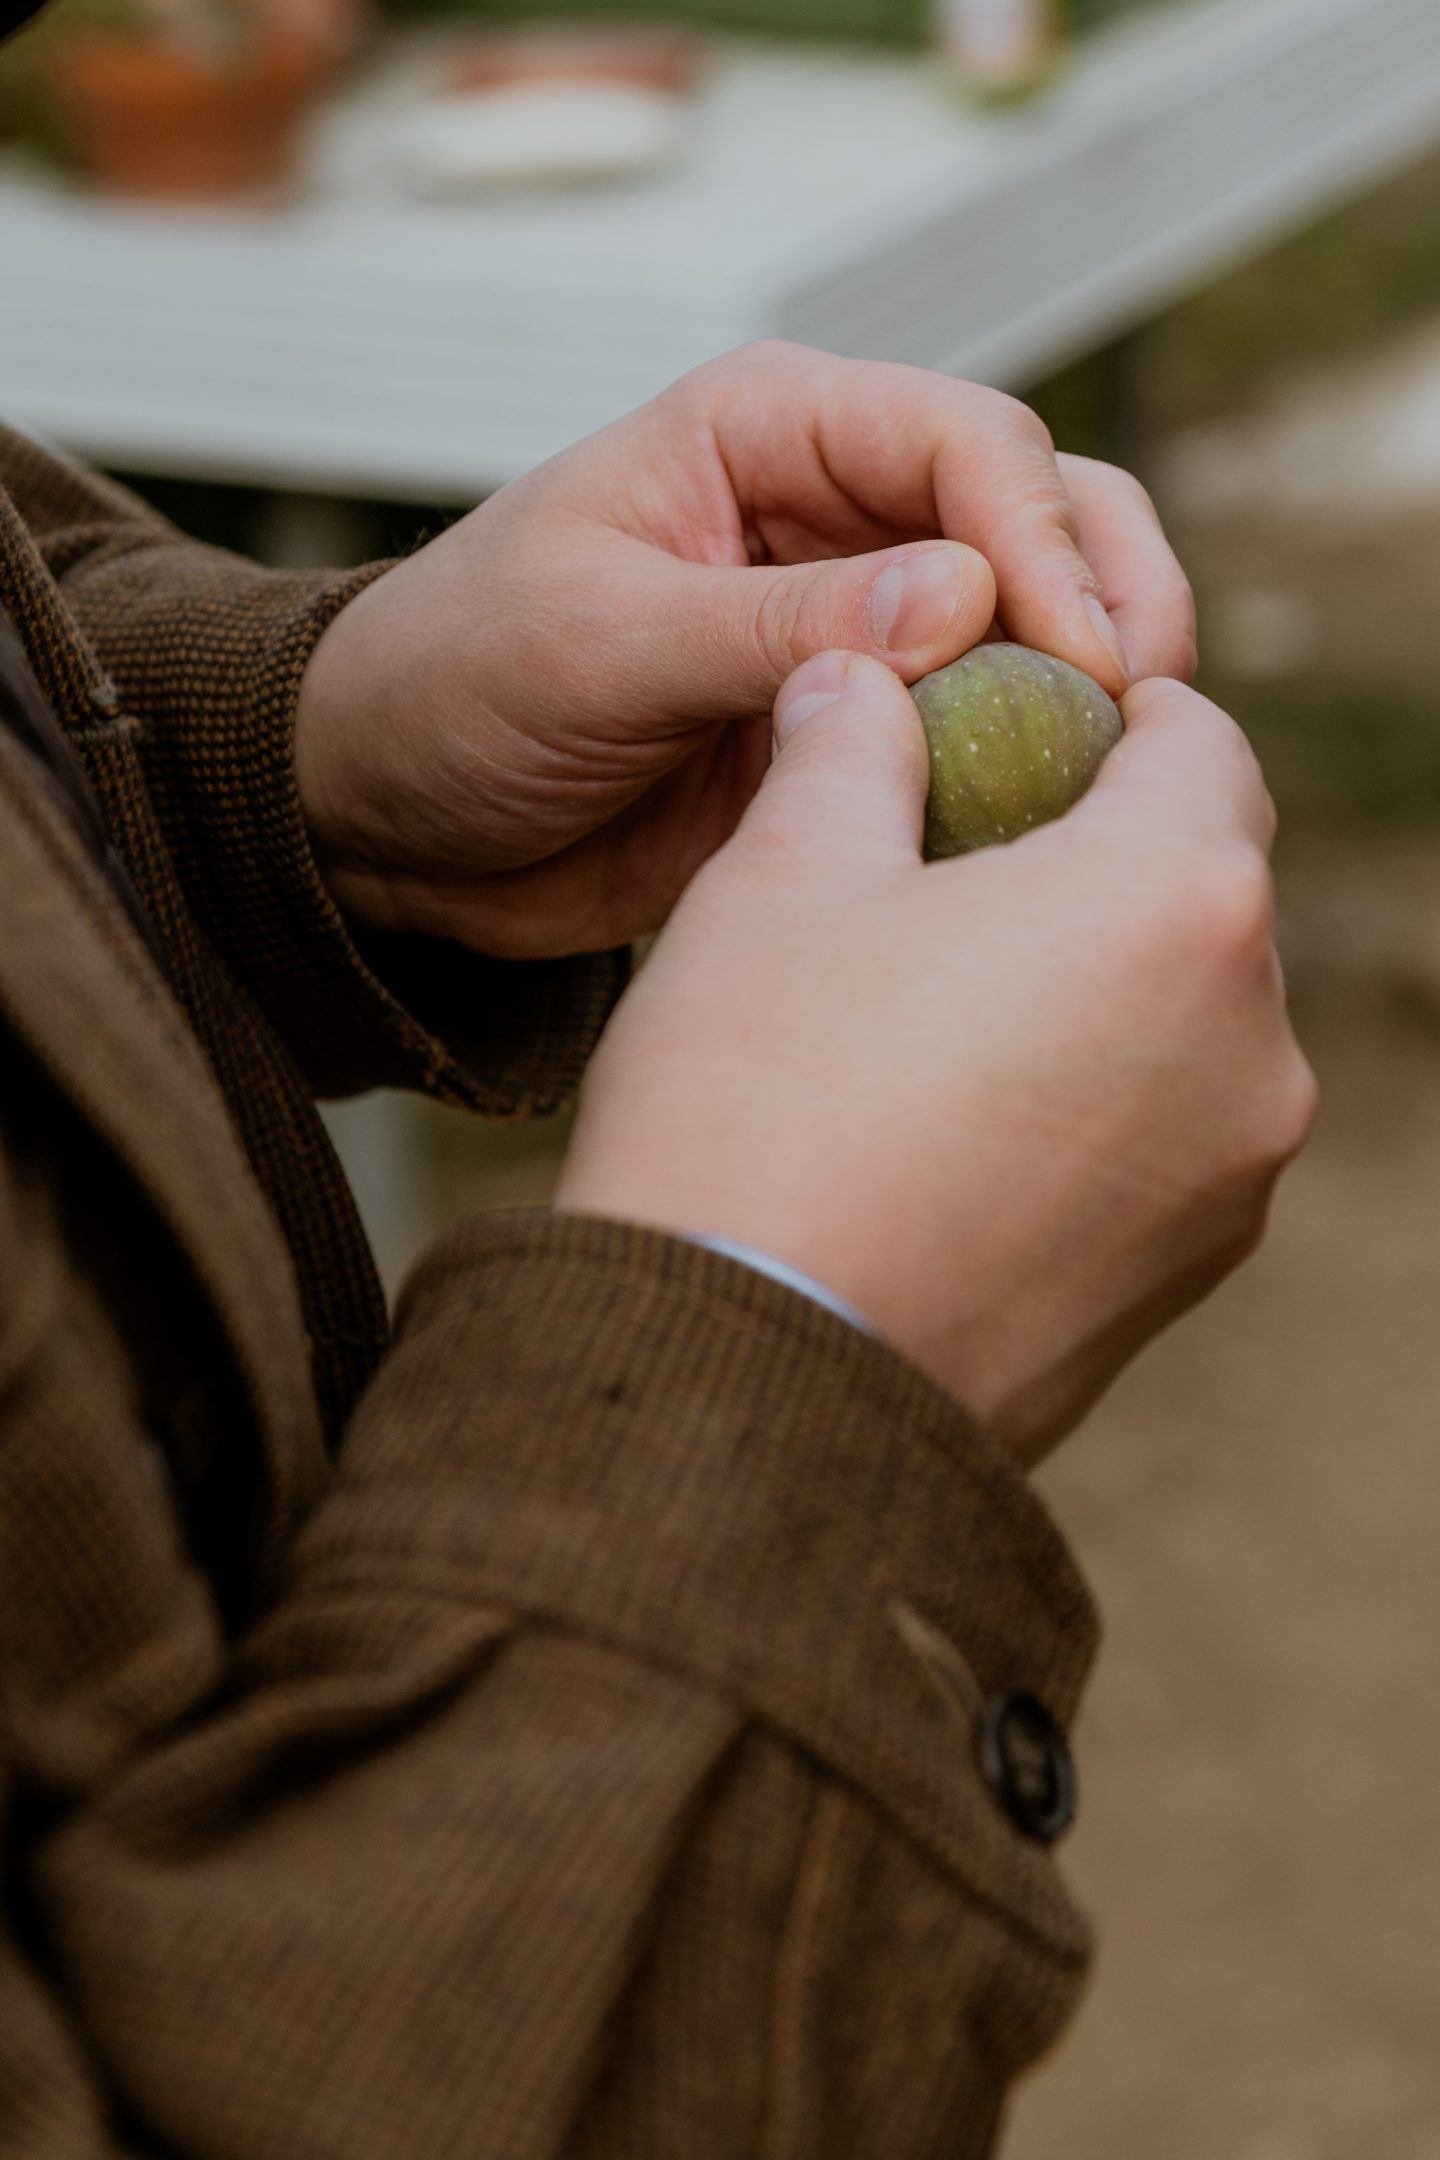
[502, 1037]
[681, 1456]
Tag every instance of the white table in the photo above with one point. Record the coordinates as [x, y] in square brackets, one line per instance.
[358, 345]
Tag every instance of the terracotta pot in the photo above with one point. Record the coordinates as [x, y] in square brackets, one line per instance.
[152, 120]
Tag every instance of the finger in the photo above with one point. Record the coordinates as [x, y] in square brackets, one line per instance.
[850, 771]
[1184, 769]
[1145, 591]
[824, 440]
[737, 635]
[1001, 489]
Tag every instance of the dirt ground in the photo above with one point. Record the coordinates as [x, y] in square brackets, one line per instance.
[1258, 1507]
[1258, 1504]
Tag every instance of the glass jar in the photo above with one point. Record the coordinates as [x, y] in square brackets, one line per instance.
[1002, 51]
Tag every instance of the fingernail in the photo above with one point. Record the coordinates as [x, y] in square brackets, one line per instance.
[820, 682]
[1107, 633]
[914, 601]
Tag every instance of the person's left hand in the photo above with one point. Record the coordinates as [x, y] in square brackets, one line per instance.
[529, 735]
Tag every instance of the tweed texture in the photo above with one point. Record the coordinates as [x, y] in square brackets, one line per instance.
[176, 668]
[578, 1757]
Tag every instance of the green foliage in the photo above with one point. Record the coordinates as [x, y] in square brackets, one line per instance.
[1340, 751]
[1335, 290]
[28, 117]
[886, 21]
[1339, 289]
[116, 18]
[892, 22]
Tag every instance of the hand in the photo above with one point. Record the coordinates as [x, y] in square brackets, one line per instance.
[530, 735]
[1022, 1108]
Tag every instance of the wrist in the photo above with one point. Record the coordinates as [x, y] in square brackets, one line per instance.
[792, 1278]
[362, 720]
[808, 1254]
[728, 1218]
[978, 1347]
[331, 726]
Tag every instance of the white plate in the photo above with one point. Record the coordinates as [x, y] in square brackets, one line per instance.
[527, 135]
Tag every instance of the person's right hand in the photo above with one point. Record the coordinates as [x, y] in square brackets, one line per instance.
[1021, 1109]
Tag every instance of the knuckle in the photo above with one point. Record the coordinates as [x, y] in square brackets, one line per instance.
[1044, 526]
[1049, 517]
[1298, 1106]
[1284, 1115]
[1176, 595]
[779, 624]
[1225, 901]
[1187, 642]
[1170, 607]
[1249, 1236]
[1125, 483]
[1174, 590]
[1123, 487]
[1020, 419]
[760, 356]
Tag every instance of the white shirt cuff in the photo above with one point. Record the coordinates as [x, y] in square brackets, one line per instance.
[792, 1278]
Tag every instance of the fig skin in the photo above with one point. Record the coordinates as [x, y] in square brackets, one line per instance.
[1015, 739]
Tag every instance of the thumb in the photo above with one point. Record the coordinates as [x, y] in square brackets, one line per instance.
[851, 769]
[916, 607]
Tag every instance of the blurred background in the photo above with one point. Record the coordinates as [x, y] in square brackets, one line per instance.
[316, 276]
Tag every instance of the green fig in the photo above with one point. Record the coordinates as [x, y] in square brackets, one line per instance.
[1015, 738]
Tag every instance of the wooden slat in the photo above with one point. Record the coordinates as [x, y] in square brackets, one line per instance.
[361, 345]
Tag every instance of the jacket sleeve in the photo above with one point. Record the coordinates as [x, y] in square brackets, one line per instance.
[206, 652]
[604, 1784]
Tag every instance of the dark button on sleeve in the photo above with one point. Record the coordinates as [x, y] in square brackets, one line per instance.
[1026, 1762]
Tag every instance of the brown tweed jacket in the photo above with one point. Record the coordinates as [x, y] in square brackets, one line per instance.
[550, 1732]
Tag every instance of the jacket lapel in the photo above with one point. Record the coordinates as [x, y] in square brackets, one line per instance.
[270, 1107]
[80, 991]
